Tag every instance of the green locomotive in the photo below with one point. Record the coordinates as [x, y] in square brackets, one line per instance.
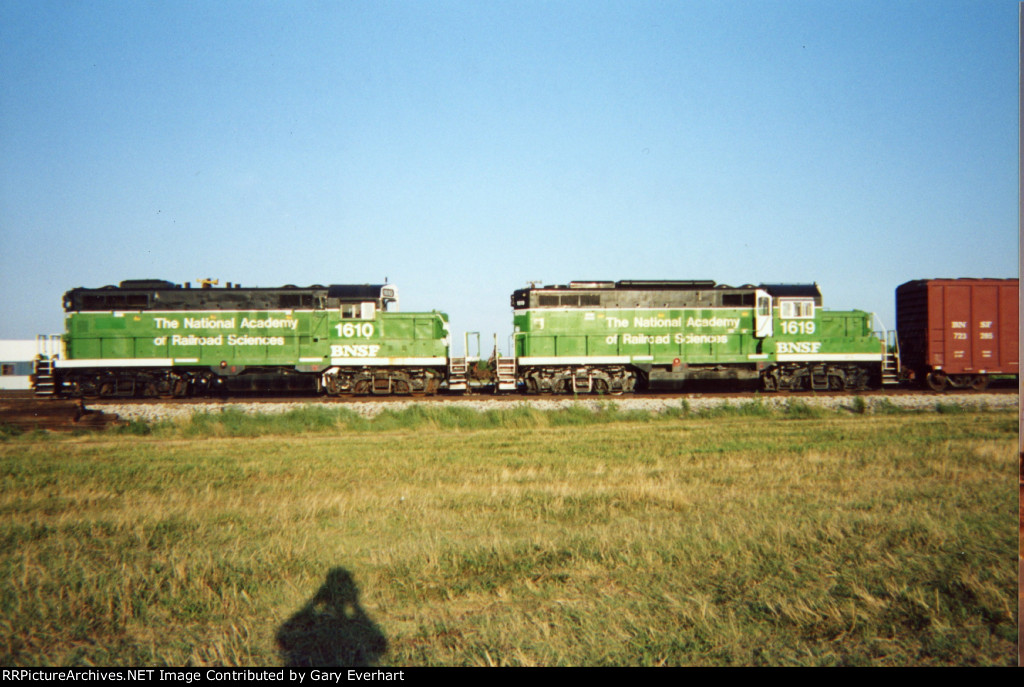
[614, 337]
[157, 338]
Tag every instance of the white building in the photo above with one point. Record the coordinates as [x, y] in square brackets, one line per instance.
[16, 364]
[16, 360]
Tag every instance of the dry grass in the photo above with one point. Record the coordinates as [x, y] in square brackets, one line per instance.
[737, 540]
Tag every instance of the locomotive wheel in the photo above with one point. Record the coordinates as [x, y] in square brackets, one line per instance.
[108, 385]
[88, 388]
[800, 380]
[532, 387]
[180, 389]
[937, 381]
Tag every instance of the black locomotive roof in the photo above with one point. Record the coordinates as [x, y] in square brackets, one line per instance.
[148, 284]
[654, 293]
[158, 294]
[793, 291]
[783, 290]
[357, 291]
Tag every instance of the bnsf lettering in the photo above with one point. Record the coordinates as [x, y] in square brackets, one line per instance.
[355, 351]
[958, 325]
[798, 346]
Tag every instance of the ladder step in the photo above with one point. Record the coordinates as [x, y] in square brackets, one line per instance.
[43, 376]
[505, 374]
[458, 374]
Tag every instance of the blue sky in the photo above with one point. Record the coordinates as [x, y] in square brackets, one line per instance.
[462, 149]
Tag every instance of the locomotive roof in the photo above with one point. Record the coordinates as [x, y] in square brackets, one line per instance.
[777, 290]
[655, 293]
[159, 294]
[792, 290]
[784, 290]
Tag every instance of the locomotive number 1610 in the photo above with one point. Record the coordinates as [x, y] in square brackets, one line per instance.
[348, 330]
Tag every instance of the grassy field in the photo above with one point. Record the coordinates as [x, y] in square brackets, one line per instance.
[434, 537]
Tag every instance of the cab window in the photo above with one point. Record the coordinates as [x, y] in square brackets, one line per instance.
[796, 309]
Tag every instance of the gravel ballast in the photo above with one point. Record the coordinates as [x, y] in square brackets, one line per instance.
[149, 412]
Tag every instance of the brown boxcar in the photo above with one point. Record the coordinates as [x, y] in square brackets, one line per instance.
[958, 332]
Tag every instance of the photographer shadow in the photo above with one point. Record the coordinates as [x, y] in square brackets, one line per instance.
[331, 629]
